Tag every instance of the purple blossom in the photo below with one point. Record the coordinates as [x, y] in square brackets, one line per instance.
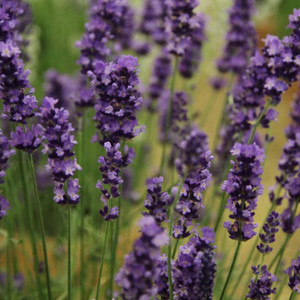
[156, 201]
[240, 39]
[153, 20]
[5, 153]
[117, 100]
[194, 270]
[262, 287]
[109, 21]
[161, 72]
[140, 268]
[268, 236]
[19, 102]
[59, 147]
[26, 139]
[192, 57]
[4, 206]
[243, 185]
[110, 167]
[217, 83]
[294, 275]
[180, 25]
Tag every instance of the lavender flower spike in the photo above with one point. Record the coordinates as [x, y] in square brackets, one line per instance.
[243, 185]
[294, 275]
[59, 147]
[137, 275]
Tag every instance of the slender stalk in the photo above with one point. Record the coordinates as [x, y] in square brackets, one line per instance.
[172, 209]
[41, 223]
[292, 295]
[102, 261]
[257, 122]
[223, 115]
[231, 268]
[8, 281]
[175, 248]
[69, 253]
[169, 116]
[31, 226]
[220, 212]
[82, 177]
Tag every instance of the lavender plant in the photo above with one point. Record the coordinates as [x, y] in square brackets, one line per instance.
[178, 251]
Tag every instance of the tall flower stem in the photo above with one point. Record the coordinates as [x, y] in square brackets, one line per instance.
[82, 177]
[169, 116]
[231, 268]
[292, 295]
[69, 253]
[31, 225]
[257, 122]
[280, 253]
[102, 261]
[171, 217]
[223, 115]
[41, 223]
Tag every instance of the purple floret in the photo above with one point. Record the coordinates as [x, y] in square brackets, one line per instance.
[244, 186]
[136, 277]
[294, 275]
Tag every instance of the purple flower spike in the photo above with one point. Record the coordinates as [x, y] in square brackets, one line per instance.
[157, 201]
[4, 206]
[59, 147]
[262, 287]
[243, 185]
[19, 102]
[294, 275]
[26, 139]
[117, 99]
[191, 58]
[5, 154]
[270, 228]
[180, 25]
[140, 268]
[240, 39]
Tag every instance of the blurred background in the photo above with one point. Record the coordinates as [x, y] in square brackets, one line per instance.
[58, 24]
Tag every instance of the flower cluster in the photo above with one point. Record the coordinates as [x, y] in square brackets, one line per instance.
[26, 139]
[15, 90]
[180, 25]
[117, 99]
[157, 201]
[161, 72]
[110, 168]
[262, 287]
[244, 186]
[16, 18]
[59, 147]
[109, 21]
[136, 276]
[153, 20]
[5, 154]
[191, 58]
[294, 275]
[268, 237]
[240, 39]
[194, 270]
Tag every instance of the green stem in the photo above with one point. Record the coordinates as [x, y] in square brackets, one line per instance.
[169, 116]
[172, 209]
[8, 281]
[81, 162]
[231, 268]
[31, 226]
[102, 261]
[257, 123]
[292, 295]
[41, 222]
[69, 252]
[175, 248]
[220, 212]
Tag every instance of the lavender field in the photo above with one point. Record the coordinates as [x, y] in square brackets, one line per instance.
[149, 149]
